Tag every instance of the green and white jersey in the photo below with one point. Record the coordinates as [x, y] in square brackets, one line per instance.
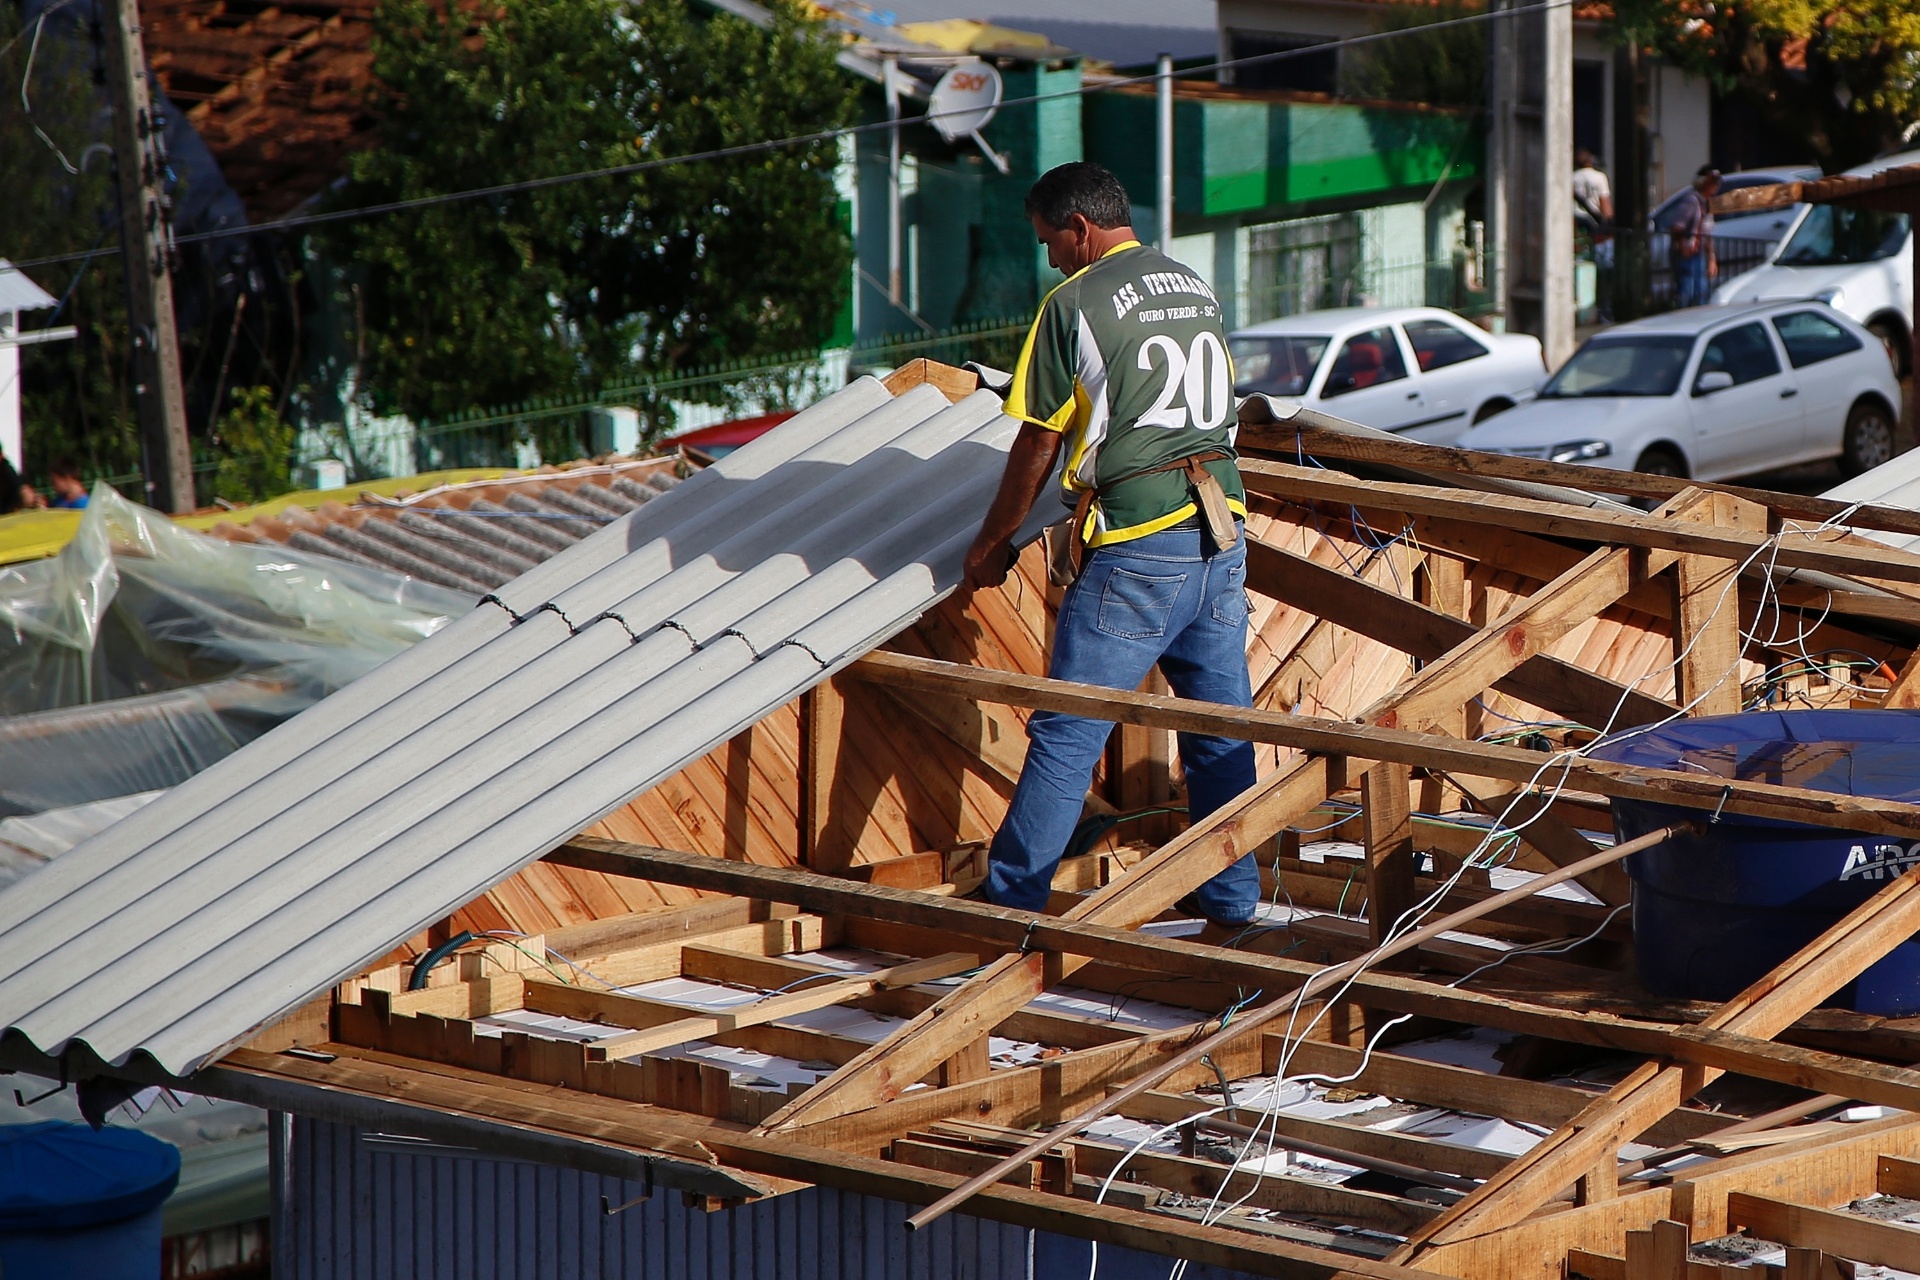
[1128, 358]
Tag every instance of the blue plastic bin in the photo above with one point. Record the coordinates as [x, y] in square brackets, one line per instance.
[1711, 913]
[82, 1204]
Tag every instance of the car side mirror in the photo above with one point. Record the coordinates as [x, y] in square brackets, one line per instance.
[1711, 381]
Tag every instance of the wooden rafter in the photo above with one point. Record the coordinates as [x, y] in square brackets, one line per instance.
[1762, 1011]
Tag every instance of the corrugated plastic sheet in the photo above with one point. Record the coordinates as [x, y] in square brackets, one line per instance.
[298, 860]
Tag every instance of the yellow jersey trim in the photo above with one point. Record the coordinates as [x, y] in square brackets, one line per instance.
[1113, 536]
[1060, 419]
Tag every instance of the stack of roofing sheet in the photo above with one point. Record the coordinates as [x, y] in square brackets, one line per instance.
[299, 859]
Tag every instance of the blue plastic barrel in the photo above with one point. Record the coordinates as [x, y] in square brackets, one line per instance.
[82, 1204]
[1711, 913]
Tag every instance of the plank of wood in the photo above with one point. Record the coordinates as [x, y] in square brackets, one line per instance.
[1559, 520]
[1386, 807]
[823, 711]
[1372, 611]
[955, 384]
[1881, 1244]
[1327, 441]
[1421, 1153]
[774, 1008]
[1763, 1010]
[1335, 737]
[1706, 633]
[1898, 1176]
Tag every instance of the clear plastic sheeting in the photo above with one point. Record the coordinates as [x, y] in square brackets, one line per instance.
[26, 843]
[77, 755]
[136, 605]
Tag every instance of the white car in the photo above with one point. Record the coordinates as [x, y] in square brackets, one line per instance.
[1712, 393]
[1419, 371]
[1857, 261]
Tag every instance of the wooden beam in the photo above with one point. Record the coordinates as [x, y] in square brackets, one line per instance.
[823, 714]
[1325, 441]
[1528, 515]
[775, 1007]
[1880, 1244]
[1426, 633]
[955, 384]
[1763, 1010]
[1337, 737]
[1385, 803]
[1706, 633]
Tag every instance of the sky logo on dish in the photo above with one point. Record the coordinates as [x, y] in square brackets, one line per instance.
[1883, 862]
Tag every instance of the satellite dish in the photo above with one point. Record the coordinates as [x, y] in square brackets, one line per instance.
[964, 100]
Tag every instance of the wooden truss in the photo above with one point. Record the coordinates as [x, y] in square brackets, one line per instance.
[1409, 583]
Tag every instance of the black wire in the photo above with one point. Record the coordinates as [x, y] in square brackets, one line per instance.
[805, 139]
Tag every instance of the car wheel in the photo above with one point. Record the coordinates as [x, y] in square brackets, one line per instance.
[1662, 461]
[1869, 439]
[1489, 409]
[1896, 345]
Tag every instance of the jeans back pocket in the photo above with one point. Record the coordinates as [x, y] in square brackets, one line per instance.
[1230, 603]
[1136, 606]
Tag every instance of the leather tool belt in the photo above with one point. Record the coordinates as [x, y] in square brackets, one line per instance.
[1208, 496]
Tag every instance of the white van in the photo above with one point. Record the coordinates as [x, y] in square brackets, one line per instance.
[1857, 261]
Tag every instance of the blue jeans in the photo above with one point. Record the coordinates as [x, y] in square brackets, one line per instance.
[1691, 274]
[1153, 600]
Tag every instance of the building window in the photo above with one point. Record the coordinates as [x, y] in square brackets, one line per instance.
[1303, 265]
[1317, 72]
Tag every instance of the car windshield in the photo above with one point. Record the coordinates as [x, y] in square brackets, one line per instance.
[1624, 366]
[1276, 364]
[1830, 235]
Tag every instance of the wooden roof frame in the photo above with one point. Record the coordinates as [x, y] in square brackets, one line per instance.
[920, 1114]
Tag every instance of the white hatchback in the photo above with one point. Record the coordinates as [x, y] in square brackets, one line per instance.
[1422, 372]
[1712, 393]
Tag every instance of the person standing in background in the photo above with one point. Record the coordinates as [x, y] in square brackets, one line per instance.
[1694, 266]
[1593, 210]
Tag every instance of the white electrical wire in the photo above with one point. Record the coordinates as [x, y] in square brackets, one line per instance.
[1501, 829]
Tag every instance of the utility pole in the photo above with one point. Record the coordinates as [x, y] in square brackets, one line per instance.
[1631, 199]
[1530, 215]
[1163, 167]
[140, 163]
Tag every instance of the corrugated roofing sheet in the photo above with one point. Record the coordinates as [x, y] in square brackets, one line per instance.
[472, 537]
[301, 858]
[18, 292]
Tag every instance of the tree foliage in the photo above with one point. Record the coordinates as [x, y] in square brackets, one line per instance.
[1446, 67]
[76, 397]
[538, 292]
[1840, 78]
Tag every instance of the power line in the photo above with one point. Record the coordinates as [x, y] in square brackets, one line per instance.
[799, 140]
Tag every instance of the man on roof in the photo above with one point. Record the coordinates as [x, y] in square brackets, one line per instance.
[1126, 369]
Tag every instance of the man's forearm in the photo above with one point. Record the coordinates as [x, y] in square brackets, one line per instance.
[1029, 465]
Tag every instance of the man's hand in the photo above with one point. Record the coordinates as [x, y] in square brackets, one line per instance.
[1029, 463]
[989, 560]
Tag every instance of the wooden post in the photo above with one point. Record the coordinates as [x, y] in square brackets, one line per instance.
[1143, 770]
[147, 242]
[1706, 615]
[1389, 826]
[823, 711]
[1441, 585]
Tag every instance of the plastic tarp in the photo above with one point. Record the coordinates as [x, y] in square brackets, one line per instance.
[1853, 752]
[145, 652]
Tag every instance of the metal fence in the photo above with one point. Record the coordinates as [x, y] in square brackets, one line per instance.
[1314, 263]
[1638, 274]
[560, 427]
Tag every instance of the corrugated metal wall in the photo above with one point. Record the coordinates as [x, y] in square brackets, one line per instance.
[355, 1207]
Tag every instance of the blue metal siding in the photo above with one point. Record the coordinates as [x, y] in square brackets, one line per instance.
[355, 1210]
